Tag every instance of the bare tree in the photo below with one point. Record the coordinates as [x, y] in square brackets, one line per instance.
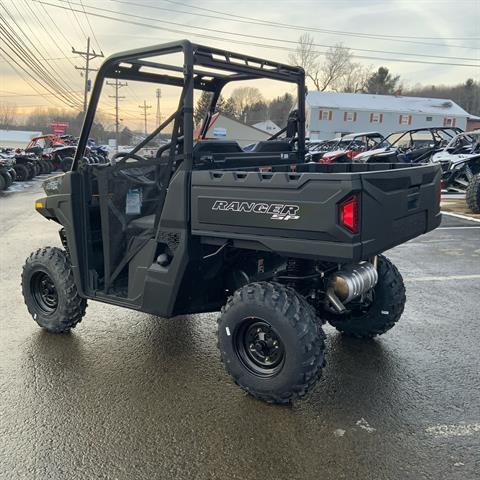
[355, 81]
[327, 74]
[243, 98]
[337, 65]
[306, 57]
[8, 113]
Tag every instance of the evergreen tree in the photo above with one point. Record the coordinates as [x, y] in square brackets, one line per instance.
[202, 107]
[279, 109]
[382, 82]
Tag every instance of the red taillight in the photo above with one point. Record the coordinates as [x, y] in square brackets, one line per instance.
[349, 213]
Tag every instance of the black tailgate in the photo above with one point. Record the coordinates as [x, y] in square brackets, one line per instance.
[398, 205]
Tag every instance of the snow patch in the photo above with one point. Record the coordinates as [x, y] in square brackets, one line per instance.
[448, 431]
[364, 425]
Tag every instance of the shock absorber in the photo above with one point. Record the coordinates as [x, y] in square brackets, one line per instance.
[293, 267]
[297, 269]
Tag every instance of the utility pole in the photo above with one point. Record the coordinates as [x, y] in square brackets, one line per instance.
[88, 55]
[145, 107]
[118, 85]
[159, 96]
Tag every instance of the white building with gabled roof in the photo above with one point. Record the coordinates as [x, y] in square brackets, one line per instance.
[267, 126]
[331, 114]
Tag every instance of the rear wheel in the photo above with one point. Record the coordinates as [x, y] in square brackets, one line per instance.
[23, 173]
[36, 169]
[378, 313]
[2, 183]
[271, 342]
[31, 171]
[473, 194]
[43, 167]
[12, 173]
[50, 292]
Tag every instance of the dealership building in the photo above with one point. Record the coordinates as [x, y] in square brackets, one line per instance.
[331, 114]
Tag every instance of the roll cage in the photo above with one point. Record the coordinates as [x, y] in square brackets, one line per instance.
[438, 135]
[204, 68]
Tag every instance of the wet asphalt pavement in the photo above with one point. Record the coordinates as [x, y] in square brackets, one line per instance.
[131, 396]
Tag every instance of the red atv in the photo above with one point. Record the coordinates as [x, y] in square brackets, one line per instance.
[58, 150]
[349, 146]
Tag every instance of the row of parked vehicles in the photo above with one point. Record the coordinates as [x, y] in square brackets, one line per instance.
[457, 152]
[43, 155]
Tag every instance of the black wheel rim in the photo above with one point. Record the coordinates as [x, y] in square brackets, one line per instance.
[259, 347]
[44, 292]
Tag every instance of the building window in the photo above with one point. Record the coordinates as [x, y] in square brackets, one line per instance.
[449, 122]
[405, 120]
[429, 119]
[376, 117]
[325, 115]
[350, 116]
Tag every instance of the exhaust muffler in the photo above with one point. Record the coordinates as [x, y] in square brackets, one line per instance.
[351, 282]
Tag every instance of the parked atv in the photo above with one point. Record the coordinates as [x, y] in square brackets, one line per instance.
[55, 147]
[26, 166]
[472, 195]
[7, 172]
[317, 149]
[202, 227]
[361, 147]
[460, 162]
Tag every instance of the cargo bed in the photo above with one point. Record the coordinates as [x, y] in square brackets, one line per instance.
[294, 209]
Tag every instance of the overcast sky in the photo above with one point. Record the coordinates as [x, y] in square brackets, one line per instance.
[435, 31]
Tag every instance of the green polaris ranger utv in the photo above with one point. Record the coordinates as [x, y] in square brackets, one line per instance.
[278, 245]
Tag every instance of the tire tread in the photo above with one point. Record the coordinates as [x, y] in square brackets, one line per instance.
[302, 318]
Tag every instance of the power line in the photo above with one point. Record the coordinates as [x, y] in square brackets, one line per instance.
[90, 26]
[32, 77]
[54, 24]
[76, 19]
[32, 86]
[53, 59]
[25, 55]
[11, 94]
[260, 45]
[37, 70]
[88, 55]
[47, 31]
[30, 58]
[257, 37]
[257, 21]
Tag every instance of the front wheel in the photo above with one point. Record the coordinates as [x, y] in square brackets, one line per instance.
[8, 179]
[378, 313]
[66, 164]
[472, 195]
[271, 342]
[49, 290]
